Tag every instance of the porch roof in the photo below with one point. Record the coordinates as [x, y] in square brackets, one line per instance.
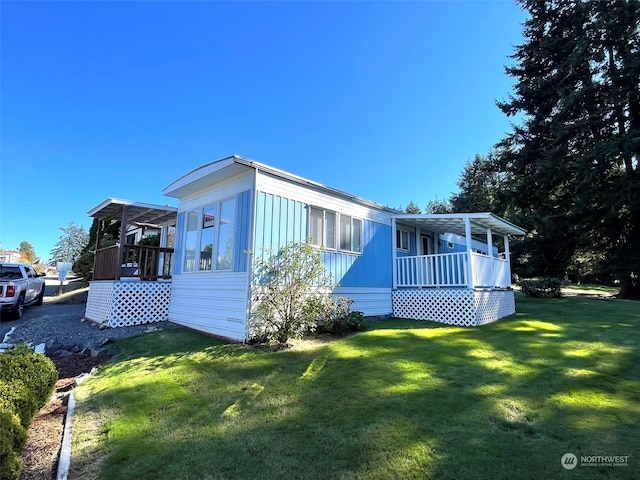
[454, 223]
[137, 212]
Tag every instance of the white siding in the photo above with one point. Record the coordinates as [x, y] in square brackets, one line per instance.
[313, 196]
[214, 303]
[218, 191]
[369, 301]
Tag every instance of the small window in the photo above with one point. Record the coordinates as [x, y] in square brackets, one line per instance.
[226, 235]
[329, 230]
[207, 237]
[324, 227]
[316, 226]
[357, 235]
[345, 232]
[190, 242]
[402, 240]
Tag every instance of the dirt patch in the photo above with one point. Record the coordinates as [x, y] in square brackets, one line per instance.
[40, 455]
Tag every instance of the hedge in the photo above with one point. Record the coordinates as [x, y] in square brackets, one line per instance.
[27, 380]
[541, 287]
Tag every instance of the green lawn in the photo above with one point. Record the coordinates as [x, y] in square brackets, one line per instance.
[402, 400]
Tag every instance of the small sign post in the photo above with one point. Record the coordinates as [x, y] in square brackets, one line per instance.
[63, 268]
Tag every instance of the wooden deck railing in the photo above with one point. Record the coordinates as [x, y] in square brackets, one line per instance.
[141, 261]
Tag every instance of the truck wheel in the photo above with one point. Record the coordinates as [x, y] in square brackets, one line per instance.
[18, 310]
[40, 297]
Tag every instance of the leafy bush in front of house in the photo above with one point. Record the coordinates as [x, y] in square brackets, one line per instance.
[13, 437]
[290, 285]
[335, 317]
[35, 371]
[541, 287]
[27, 380]
[17, 398]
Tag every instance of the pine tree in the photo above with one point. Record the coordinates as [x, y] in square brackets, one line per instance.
[571, 164]
[70, 244]
[412, 207]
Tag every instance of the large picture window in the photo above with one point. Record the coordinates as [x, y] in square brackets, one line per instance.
[329, 230]
[210, 229]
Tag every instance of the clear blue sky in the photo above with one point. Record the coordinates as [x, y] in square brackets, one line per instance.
[384, 100]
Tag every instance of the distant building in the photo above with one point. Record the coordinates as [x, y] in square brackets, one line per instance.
[10, 256]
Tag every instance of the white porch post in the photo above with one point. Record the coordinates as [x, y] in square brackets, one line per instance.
[507, 255]
[467, 234]
[490, 242]
[394, 267]
[492, 264]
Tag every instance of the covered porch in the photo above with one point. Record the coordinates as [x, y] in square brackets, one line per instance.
[455, 268]
[131, 278]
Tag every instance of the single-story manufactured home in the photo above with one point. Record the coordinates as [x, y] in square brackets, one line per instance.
[450, 268]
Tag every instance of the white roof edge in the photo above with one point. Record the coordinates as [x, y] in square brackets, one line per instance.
[194, 175]
[119, 201]
[516, 230]
[218, 165]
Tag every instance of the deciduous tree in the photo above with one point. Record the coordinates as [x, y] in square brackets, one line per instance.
[27, 251]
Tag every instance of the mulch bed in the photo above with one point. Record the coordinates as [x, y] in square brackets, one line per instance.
[40, 455]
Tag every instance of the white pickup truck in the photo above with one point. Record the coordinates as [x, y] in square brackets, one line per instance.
[20, 285]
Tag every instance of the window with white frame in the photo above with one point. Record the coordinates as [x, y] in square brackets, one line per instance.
[402, 240]
[226, 235]
[323, 230]
[210, 229]
[190, 242]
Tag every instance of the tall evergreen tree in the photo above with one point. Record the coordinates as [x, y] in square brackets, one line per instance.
[70, 244]
[480, 185]
[412, 207]
[571, 164]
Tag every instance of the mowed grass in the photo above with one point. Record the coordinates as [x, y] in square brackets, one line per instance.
[403, 400]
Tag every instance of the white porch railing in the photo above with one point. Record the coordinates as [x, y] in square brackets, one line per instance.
[451, 270]
[490, 271]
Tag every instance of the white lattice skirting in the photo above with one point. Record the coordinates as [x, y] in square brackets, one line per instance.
[454, 306]
[124, 303]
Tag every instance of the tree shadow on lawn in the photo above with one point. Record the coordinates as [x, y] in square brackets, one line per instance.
[422, 401]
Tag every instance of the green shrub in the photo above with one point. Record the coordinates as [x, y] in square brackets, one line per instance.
[13, 438]
[27, 380]
[16, 398]
[541, 287]
[336, 317]
[290, 285]
[35, 371]
[355, 322]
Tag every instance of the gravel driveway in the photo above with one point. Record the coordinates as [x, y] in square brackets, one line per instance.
[64, 324]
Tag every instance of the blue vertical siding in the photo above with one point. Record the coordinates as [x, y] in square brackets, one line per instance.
[278, 221]
[178, 248]
[370, 269]
[242, 243]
